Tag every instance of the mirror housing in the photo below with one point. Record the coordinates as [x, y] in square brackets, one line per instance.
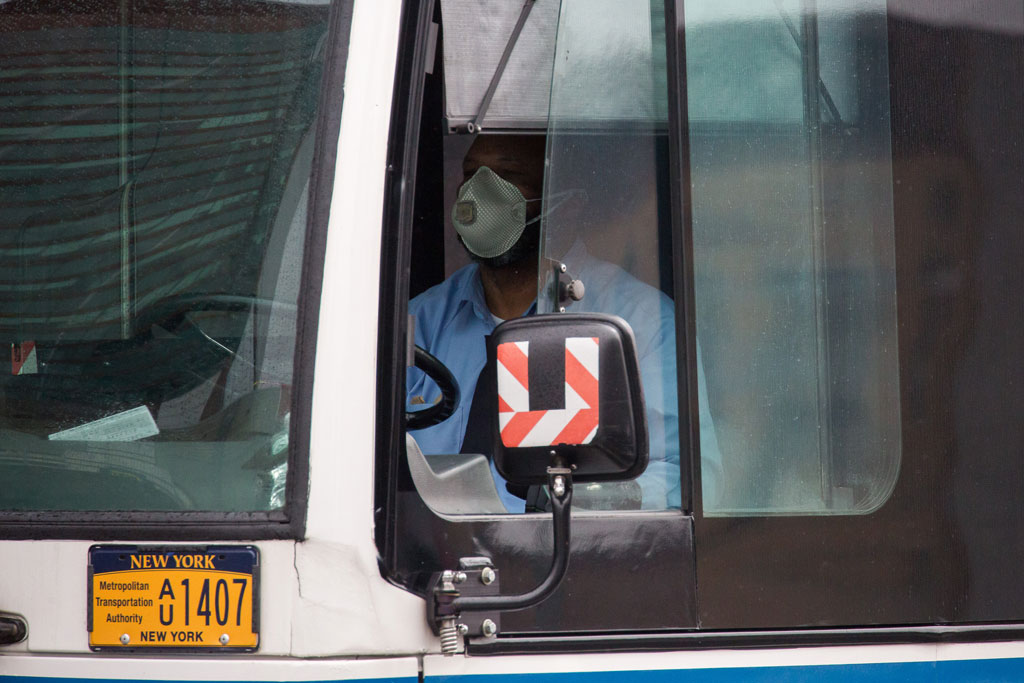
[568, 388]
[567, 394]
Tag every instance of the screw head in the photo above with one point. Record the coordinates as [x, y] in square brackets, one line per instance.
[463, 629]
[125, 639]
[559, 486]
[224, 639]
[487, 576]
[460, 577]
[489, 628]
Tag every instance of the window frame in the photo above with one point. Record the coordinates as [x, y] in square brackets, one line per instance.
[403, 522]
[289, 522]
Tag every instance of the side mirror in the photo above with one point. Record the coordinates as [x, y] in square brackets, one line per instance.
[570, 408]
[568, 389]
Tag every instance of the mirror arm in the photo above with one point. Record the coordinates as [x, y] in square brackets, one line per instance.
[475, 589]
[559, 479]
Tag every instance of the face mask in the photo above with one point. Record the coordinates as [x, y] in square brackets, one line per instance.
[489, 214]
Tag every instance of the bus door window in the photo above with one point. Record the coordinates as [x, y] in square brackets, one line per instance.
[604, 214]
[453, 308]
[422, 522]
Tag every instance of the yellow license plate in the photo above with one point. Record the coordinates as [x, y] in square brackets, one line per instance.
[177, 597]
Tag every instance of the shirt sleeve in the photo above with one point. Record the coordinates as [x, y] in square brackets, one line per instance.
[420, 391]
[661, 482]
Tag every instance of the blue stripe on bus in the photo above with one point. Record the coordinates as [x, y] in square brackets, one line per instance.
[248, 662]
[989, 670]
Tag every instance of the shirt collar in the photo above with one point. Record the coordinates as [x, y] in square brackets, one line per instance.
[471, 292]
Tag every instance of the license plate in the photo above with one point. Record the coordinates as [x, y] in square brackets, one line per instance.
[179, 598]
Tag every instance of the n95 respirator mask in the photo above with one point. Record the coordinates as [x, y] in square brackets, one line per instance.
[489, 214]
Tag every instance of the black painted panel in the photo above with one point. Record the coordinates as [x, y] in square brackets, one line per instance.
[626, 570]
[948, 545]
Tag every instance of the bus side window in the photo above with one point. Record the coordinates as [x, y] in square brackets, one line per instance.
[794, 254]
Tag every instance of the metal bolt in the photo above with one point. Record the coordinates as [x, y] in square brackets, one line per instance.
[487, 576]
[125, 638]
[460, 577]
[224, 639]
[559, 486]
[561, 267]
[488, 628]
[561, 309]
[576, 290]
[463, 629]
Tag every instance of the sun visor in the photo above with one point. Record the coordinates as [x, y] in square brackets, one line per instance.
[475, 35]
[591, 40]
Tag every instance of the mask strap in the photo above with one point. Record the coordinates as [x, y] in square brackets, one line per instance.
[556, 200]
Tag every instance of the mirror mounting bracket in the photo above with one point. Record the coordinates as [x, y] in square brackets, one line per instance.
[467, 601]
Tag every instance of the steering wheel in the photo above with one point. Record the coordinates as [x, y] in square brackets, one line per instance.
[170, 312]
[442, 376]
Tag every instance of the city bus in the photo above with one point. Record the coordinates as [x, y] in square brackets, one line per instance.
[778, 234]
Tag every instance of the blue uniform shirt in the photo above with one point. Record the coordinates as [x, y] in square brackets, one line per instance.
[452, 320]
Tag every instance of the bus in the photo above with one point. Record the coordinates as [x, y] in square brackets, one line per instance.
[764, 400]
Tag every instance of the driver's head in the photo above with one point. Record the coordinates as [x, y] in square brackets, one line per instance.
[497, 208]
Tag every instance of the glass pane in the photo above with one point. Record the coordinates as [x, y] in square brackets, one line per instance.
[789, 137]
[607, 216]
[155, 159]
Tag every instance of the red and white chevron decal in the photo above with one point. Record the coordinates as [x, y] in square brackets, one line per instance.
[574, 424]
[23, 358]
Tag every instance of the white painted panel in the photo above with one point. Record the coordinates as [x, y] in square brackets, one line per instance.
[207, 668]
[46, 583]
[343, 605]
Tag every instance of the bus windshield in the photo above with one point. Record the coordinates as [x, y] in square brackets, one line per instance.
[155, 160]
